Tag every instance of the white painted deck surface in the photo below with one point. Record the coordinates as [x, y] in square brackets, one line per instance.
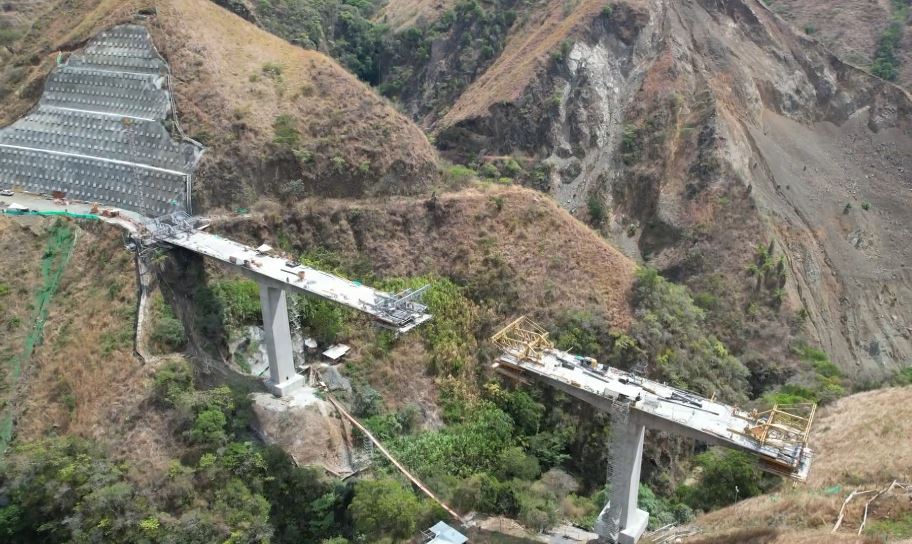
[315, 282]
[712, 421]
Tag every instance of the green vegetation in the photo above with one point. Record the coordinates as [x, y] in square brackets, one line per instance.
[597, 211]
[239, 300]
[890, 529]
[770, 273]
[8, 36]
[272, 70]
[726, 477]
[886, 61]
[671, 330]
[384, 509]
[167, 332]
[227, 490]
[630, 144]
[286, 130]
[821, 383]
[458, 175]
[321, 319]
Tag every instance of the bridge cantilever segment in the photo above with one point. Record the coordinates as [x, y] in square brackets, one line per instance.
[399, 312]
[777, 437]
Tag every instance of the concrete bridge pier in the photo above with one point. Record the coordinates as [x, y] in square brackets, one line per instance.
[283, 379]
[628, 461]
[621, 522]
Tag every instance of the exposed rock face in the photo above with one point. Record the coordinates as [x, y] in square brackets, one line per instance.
[306, 427]
[709, 127]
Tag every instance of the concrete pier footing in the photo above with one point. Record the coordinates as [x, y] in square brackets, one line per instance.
[283, 379]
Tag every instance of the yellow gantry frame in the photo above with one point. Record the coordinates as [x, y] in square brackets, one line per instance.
[524, 339]
[784, 424]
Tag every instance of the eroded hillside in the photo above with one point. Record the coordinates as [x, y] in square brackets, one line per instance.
[858, 31]
[695, 134]
[275, 119]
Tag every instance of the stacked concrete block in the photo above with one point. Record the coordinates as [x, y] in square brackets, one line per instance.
[98, 133]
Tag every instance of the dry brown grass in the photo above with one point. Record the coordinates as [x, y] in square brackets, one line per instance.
[401, 14]
[864, 439]
[21, 251]
[83, 379]
[554, 262]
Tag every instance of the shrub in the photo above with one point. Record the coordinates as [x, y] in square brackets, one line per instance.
[172, 381]
[239, 300]
[727, 477]
[458, 174]
[286, 130]
[511, 168]
[272, 70]
[167, 333]
[672, 331]
[597, 211]
[489, 171]
[383, 509]
[209, 428]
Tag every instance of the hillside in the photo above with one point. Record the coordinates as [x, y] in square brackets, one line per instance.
[276, 120]
[852, 29]
[857, 444]
[487, 238]
[693, 134]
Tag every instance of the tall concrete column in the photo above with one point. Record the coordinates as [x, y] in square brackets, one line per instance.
[621, 521]
[628, 462]
[282, 376]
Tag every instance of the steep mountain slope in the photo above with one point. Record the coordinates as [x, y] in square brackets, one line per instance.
[277, 120]
[857, 444]
[707, 130]
[850, 28]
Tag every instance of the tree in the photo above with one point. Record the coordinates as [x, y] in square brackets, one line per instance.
[728, 476]
[383, 508]
[209, 428]
[673, 333]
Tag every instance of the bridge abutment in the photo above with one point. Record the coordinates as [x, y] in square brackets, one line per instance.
[283, 379]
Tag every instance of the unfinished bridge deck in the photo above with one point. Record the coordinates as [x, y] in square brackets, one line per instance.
[662, 407]
[302, 278]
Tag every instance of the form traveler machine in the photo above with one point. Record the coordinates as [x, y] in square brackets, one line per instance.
[777, 437]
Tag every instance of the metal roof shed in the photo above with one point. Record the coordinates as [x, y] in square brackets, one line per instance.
[446, 535]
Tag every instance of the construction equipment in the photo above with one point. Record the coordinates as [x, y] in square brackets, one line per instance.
[777, 437]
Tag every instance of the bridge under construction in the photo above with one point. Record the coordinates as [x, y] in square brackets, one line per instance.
[98, 134]
[777, 438]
